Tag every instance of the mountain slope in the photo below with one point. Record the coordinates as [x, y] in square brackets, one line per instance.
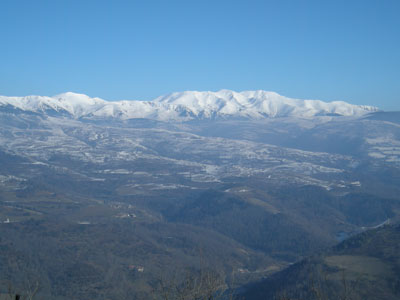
[366, 266]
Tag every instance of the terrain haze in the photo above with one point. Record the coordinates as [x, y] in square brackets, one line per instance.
[100, 199]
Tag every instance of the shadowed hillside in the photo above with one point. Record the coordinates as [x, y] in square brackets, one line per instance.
[366, 266]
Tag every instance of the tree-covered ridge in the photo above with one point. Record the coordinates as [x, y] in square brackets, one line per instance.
[366, 266]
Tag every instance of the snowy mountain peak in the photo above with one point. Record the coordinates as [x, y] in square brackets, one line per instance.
[78, 99]
[188, 105]
[79, 104]
[258, 104]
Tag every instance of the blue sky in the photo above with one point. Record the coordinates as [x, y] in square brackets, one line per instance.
[328, 50]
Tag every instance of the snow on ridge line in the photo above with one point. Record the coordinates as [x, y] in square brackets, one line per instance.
[188, 105]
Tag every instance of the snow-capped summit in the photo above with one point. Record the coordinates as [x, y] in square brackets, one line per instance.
[79, 104]
[182, 106]
[74, 104]
[258, 104]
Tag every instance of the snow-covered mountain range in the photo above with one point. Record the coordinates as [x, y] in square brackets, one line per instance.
[183, 106]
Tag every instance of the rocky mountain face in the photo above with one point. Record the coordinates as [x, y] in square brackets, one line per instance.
[250, 182]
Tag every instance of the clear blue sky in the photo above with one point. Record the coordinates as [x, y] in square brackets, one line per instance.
[322, 49]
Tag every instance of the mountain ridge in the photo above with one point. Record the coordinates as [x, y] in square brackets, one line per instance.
[187, 105]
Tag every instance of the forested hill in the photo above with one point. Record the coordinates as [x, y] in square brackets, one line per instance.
[366, 266]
